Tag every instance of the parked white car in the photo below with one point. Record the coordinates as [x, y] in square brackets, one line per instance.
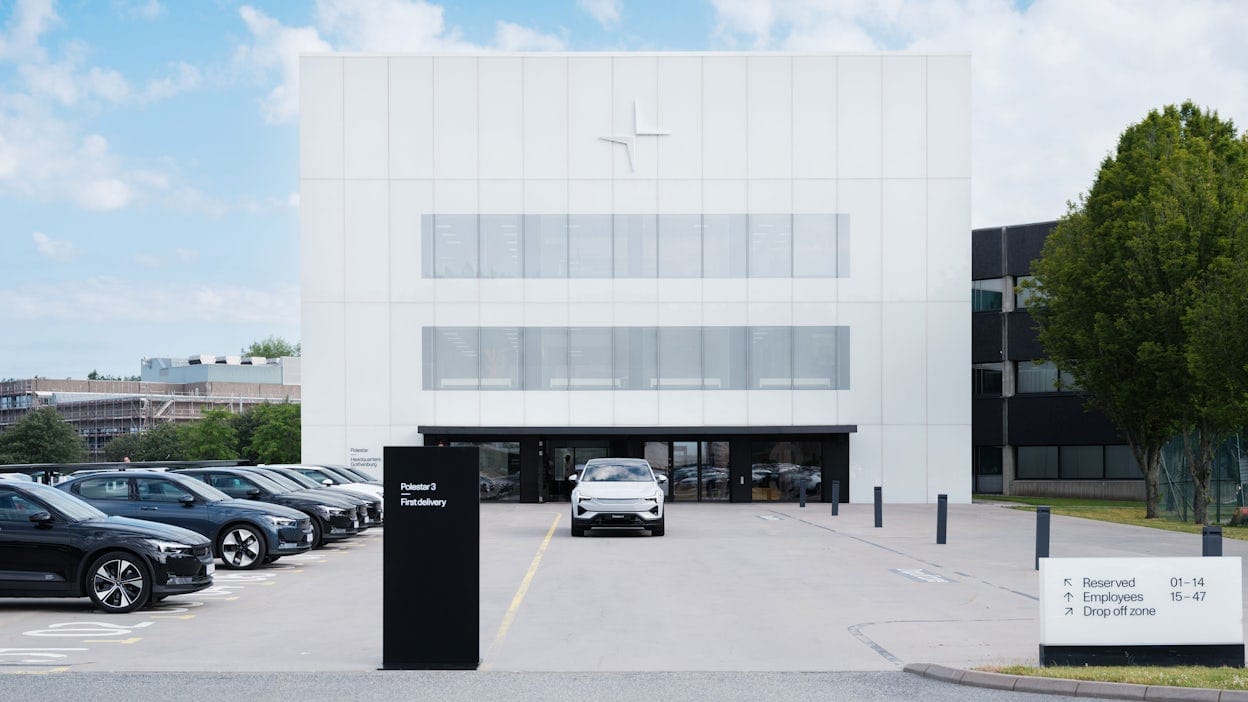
[618, 492]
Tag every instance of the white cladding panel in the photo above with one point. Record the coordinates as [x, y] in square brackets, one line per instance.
[883, 140]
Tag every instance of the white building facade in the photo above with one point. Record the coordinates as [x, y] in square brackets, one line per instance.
[750, 269]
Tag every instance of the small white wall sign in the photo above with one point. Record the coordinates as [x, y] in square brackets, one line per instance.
[1141, 601]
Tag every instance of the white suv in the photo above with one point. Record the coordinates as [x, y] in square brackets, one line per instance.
[617, 492]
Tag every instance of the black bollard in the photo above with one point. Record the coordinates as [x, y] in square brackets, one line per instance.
[1211, 541]
[942, 518]
[836, 497]
[879, 507]
[1042, 534]
[801, 494]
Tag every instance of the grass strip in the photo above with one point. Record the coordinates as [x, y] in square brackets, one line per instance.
[1118, 512]
[1181, 676]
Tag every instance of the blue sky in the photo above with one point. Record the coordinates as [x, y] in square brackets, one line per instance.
[148, 148]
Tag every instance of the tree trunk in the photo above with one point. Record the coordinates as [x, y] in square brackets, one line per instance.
[1200, 462]
[1149, 459]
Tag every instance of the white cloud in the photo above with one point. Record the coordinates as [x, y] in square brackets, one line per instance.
[186, 255]
[140, 9]
[47, 153]
[276, 48]
[513, 37]
[1054, 83]
[28, 23]
[361, 26]
[106, 299]
[57, 250]
[605, 12]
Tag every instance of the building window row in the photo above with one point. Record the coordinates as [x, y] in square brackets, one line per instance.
[1031, 378]
[635, 245]
[988, 295]
[1113, 462]
[636, 358]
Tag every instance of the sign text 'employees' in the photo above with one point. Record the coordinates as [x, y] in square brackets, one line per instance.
[407, 489]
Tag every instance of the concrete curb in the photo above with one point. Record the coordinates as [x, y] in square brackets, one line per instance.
[1074, 688]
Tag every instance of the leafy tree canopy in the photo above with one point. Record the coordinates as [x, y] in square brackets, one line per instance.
[273, 347]
[42, 436]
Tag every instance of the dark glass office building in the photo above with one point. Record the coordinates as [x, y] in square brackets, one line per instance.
[1031, 432]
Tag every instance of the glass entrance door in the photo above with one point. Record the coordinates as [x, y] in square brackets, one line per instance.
[563, 458]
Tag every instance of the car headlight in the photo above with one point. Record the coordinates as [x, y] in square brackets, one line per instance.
[169, 546]
[332, 511]
[280, 521]
[653, 499]
[583, 498]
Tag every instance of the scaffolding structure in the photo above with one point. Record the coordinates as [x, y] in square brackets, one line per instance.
[101, 410]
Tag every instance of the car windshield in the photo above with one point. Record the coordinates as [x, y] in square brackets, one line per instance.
[70, 507]
[268, 483]
[199, 489]
[279, 479]
[338, 476]
[617, 472]
[351, 473]
[366, 477]
[299, 478]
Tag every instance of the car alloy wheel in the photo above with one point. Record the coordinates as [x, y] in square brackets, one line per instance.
[118, 583]
[241, 548]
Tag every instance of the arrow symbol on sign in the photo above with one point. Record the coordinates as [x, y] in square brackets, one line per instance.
[1066, 582]
[1069, 611]
[1069, 597]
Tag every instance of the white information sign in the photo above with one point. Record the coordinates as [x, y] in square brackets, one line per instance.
[1141, 601]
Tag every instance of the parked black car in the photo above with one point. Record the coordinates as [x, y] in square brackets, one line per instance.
[55, 545]
[361, 503]
[333, 518]
[375, 513]
[245, 534]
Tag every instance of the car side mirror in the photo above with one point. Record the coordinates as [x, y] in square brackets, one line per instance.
[187, 500]
[662, 478]
[41, 518]
[574, 477]
[253, 493]
[327, 482]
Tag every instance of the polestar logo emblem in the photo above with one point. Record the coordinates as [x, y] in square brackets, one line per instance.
[629, 140]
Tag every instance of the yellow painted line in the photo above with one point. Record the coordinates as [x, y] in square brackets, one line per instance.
[130, 640]
[510, 616]
[49, 671]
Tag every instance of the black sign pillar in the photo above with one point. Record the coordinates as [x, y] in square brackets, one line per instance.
[431, 591]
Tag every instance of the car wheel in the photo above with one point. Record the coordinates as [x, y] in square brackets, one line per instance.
[318, 534]
[658, 530]
[241, 547]
[118, 582]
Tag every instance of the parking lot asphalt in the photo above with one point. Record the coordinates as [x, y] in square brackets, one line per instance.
[760, 587]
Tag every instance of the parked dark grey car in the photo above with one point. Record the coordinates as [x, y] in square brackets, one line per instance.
[245, 534]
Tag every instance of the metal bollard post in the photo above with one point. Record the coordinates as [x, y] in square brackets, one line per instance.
[1211, 541]
[942, 518]
[879, 506]
[1042, 534]
[801, 494]
[836, 497]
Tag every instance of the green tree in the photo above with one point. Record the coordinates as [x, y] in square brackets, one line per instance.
[1124, 267]
[273, 347]
[42, 436]
[123, 446]
[212, 437]
[163, 442]
[245, 424]
[277, 436]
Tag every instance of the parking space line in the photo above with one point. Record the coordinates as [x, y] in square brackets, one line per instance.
[510, 616]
